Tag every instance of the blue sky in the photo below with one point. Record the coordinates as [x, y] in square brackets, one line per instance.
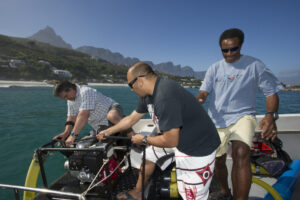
[185, 32]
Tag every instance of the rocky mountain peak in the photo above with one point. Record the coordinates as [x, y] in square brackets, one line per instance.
[48, 35]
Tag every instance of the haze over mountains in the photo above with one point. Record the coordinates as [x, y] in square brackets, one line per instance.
[49, 36]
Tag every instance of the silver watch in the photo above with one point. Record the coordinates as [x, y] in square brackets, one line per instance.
[73, 134]
[144, 140]
[274, 115]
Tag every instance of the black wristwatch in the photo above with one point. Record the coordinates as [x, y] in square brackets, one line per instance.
[144, 140]
[73, 134]
[274, 115]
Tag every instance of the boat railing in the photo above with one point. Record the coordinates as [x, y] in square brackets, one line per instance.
[16, 189]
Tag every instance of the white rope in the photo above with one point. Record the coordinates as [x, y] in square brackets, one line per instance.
[91, 186]
[105, 162]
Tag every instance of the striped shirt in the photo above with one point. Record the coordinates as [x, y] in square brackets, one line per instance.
[90, 99]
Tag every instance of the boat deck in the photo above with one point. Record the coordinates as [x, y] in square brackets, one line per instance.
[126, 181]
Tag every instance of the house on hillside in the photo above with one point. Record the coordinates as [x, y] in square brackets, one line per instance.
[4, 63]
[15, 63]
[62, 73]
[43, 62]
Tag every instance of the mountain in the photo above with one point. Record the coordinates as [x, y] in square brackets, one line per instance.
[32, 56]
[106, 54]
[165, 67]
[48, 35]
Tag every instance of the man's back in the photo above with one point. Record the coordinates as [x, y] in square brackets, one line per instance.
[175, 107]
[90, 99]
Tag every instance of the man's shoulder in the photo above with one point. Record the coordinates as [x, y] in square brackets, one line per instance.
[165, 83]
[218, 63]
[86, 90]
[251, 59]
[166, 88]
[169, 85]
[253, 63]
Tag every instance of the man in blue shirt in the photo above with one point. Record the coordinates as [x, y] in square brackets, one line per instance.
[232, 84]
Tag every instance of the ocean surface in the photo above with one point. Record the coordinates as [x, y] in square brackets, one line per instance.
[31, 116]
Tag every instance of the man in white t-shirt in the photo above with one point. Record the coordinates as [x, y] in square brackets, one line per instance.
[232, 84]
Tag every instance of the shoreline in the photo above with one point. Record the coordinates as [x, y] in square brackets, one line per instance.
[41, 83]
[7, 83]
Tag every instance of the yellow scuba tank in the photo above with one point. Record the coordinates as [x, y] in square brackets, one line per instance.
[31, 178]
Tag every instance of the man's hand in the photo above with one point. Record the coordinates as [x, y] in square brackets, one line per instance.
[101, 134]
[137, 139]
[268, 127]
[70, 141]
[201, 96]
[61, 136]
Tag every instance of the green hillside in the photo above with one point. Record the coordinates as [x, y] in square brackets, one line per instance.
[82, 66]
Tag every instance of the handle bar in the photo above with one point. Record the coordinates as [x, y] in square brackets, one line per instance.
[117, 137]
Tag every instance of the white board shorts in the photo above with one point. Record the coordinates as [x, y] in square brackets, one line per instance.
[194, 174]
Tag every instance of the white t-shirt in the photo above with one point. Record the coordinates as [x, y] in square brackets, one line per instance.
[233, 86]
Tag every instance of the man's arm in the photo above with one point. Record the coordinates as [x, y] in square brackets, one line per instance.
[67, 130]
[124, 124]
[201, 96]
[80, 122]
[267, 124]
[168, 139]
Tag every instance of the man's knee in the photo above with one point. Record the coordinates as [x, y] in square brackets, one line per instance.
[113, 116]
[240, 151]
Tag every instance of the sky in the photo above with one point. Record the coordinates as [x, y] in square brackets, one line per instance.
[185, 32]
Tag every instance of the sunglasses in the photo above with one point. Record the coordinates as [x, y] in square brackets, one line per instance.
[231, 49]
[130, 84]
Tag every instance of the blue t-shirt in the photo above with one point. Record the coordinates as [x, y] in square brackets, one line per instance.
[233, 87]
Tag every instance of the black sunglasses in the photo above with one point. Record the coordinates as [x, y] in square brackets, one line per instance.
[231, 49]
[130, 84]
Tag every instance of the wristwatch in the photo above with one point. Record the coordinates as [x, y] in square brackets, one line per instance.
[73, 134]
[144, 140]
[274, 115]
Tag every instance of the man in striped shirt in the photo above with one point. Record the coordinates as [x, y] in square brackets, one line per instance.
[85, 105]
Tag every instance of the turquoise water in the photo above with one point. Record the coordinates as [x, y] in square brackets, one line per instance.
[31, 116]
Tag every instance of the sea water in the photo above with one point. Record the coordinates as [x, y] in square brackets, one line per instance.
[31, 116]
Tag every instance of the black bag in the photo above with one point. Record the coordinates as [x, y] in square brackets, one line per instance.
[274, 164]
[281, 154]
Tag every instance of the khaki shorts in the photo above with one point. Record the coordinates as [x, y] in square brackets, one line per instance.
[243, 130]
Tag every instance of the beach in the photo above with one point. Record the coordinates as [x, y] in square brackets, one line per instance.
[6, 83]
